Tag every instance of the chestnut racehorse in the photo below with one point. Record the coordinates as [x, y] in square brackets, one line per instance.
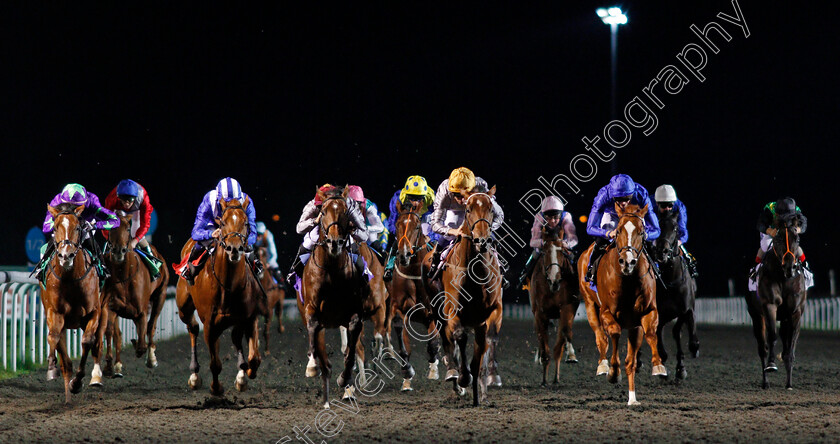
[781, 296]
[626, 298]
[674, 293]
[334, 294]
[225, 294]
[554, 295]
[71, 299]
[275, 293]
[473, 298]
[409, 299]
[131, 295]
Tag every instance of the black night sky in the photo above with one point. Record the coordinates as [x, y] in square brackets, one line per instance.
[282, 98]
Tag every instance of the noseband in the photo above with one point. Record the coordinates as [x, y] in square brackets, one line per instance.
[76, 245]
[417, 230]
[325, 230]
[244, 237]
[631, 247]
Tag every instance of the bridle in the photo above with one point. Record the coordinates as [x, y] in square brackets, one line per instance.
[243, 237]
[481, 243]
[630, 247]
[341, 222]
[76, 246]
[417, 232]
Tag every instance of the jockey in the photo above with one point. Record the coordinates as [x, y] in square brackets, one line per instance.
[205, 232]
[130, 197]
[265, 238]
[373, 224]
[415, 190]
[602, 218]
[772, 214]
[666, 201]
[448, 216]
[95, 217]
[307, 226]
[551, 215]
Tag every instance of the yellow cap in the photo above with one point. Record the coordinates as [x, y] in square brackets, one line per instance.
[461, 179]
[417, 186]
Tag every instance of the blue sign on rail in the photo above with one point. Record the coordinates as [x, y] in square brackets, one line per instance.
[34, 241]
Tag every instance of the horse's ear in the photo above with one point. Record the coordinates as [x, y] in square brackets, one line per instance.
[399, 206]
[618, 210]
[246, 201]
[79, 210]
[53, 210]
[222, 204]
[643, 211]
[492, 190]
[346, 191]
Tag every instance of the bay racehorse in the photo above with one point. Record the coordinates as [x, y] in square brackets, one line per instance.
[226, 294]
[410, 300]
[472, 298]
[275, 294]
[131, 295]
[625, 298]
[72, 299]
[553, 292]
[675, 292]
[334, 293]
[781, 296]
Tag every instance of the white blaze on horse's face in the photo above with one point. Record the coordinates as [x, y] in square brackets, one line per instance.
[553, 270]
[628, 256]
[66, 252]
[233, 244]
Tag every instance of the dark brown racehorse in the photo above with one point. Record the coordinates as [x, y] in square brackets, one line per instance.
[626, 298]
[473, 298]
[72, 299]
[275, 292]
[554, 295]
[131, 295]
[409, 299]
[335, 294]
[781, 296]
[674, 298]
[226, 294]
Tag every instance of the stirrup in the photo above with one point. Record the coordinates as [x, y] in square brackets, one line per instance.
[389, 273]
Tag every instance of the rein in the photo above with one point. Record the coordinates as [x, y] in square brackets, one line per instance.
[136, 269]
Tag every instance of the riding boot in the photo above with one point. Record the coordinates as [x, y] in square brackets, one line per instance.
[154, 263]
[435, 260]
[389, 267]
[190, 271]
[47, 251]
[690, 261]
[530, 264]
[297, 264]
[96, 255]
[359, 263]
[601, 245]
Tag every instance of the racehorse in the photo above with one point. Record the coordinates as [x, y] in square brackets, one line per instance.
[334, 294]
[71, 299]
[473, 298]
[131, 295]
[781, 296]
[553, 291]
[409, 299]
[625, 299]
[226, 294]
[674, 299]
[275, 293]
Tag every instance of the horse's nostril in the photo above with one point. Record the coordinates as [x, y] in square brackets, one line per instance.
[621, 261]
[633, 262]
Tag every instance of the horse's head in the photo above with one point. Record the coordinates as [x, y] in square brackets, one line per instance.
[665, 246]
[478, 217]
[233, 228]
[785, 244]
[629, 236]
[119, 238]
[67, 233]
[409, 231]
[555, 260]
[335, 223]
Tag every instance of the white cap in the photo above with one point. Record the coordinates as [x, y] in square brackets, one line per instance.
[552, 203]
[665, 193]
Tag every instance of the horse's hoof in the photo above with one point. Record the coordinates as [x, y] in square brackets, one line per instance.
[406, 387]
[194, 381]
[572, 359]
[217, 391]
[613, 377]
[241, 381]
[117, 375]
[433, 371]
[494, 380]
[118, 369]
[349, 393]
[765, 385]
[603, 368]
[326, 406]
[789, 388]
[695, 354]
[465, 380]
[451, 375]
[53, 373]
[340, 381]
[659, 370]
[461, 391]
[771, 367]
[634, 402]
[408, 373]
[682, 374]
[311, 372]
[75, 385]
[151, 364]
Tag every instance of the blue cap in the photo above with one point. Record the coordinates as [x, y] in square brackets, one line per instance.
[228, 189]
[128, 187]
[621, 185]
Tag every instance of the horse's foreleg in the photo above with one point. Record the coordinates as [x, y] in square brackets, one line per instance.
[541, 327]
[634, 342]
[117, 339]
[790, 337]
[494, 324]
[108, 370]
[158, 299]
[567, 318]
[601, 340]
[211, 337]
[650, 324]
[693, 340]
[404, 351]
[460, 337]
[318, 349]
[278, 313]
[266, 333]
[96, 348]
[614, 330]
[354, 329]
[432, 349]
[254, 358]
[480, 372]
[236, 334]
[89, 337]
[677, 333]
[770, 335]
[140, 344]
[66, 363]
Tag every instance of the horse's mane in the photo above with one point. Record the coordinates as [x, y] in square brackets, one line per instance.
[480, 188]
[66, 207]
